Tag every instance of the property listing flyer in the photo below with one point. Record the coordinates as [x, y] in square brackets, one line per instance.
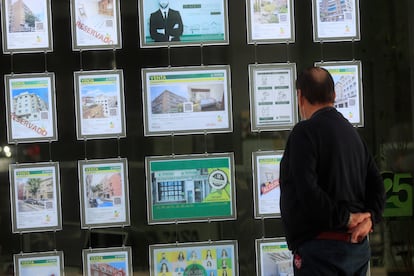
[36, 202]
[216, 258]
[100, 104]
[186, 101]
[271, 21]
[112, 261]
[50, 263]
[103, 186]
[190, 188]
[272, 91]
[26, 26]
[336, 20]
[96, 24]
[267, 183]
[274, 258]
[348, 89]
[31, 107]
[193, 23]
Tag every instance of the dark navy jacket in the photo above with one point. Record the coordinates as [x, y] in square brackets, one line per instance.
[326, 172]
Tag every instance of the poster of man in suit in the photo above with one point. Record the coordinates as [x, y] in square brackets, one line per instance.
[166, 23]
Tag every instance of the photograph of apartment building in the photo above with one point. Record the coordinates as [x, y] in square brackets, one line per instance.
[167, 102]
[30, 105]
[270, 11]
[275, 258]
[183, 186]
[99, 106]
[198, 99]
[104, 189]
[279, 262]
[335, 10]
[346, 91]
[35, 194]
[23, 17]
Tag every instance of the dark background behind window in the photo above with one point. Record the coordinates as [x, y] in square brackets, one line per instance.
[386, 51]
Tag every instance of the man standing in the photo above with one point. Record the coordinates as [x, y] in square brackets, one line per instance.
[331, 190]
[165, 24]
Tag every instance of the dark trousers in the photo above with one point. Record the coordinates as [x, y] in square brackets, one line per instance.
[331, 257]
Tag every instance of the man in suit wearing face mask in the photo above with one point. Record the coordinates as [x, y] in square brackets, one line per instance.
[165, 24]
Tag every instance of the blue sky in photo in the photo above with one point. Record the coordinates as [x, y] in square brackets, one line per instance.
[96, 90]
[36, 6]
[119, 265]
[41, 92]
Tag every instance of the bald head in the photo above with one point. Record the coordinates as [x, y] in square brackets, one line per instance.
[316, 85]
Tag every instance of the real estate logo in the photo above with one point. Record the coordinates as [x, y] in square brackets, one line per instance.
[217, 179]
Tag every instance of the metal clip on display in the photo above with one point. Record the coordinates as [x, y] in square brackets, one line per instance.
[353, 49]
[209, 224]
[50, 150]
[287, 52]
[118, 139]
[205, 143]
[45, 60]
[125, 238]
[263, 227]
[80, 60]
[114, 65]
[321, 44]
[84, 148]
[259, 139]
[201, 54]
[54, 240]
[11, 64]
[169, 55]
[89, 237]
[255, 53]
[176, 232]
[172, 145]
[21, 242]
[16, 153]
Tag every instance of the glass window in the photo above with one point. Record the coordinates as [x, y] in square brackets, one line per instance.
[387, 57]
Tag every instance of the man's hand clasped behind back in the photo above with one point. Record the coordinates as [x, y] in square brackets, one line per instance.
[359, 226]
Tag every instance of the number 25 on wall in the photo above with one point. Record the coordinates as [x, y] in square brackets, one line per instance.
[399, 193]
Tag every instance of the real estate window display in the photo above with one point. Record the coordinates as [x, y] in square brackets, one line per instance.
[375, 104]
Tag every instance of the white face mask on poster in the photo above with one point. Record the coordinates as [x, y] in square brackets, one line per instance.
[163, 4]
